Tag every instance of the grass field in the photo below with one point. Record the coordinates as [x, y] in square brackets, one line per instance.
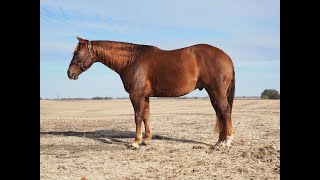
[88, 138]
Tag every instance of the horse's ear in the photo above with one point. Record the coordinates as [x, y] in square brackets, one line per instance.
[82, 40]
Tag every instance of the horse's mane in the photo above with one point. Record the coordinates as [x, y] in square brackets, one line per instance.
[118, 54]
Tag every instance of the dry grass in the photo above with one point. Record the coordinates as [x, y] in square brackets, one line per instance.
[88, 139]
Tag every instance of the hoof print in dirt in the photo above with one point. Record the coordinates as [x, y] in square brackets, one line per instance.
[197, 147]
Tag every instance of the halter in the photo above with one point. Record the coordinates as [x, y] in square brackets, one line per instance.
[85, 58]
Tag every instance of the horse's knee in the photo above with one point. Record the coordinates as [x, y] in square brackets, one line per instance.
[138, 117]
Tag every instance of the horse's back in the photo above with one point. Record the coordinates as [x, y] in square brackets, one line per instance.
[178, 71]
[210, 64]
[202, 58]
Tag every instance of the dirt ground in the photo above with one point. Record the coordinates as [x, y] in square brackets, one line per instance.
[88, 138]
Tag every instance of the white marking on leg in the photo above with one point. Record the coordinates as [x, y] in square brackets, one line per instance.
[139, 136]
[229, 140]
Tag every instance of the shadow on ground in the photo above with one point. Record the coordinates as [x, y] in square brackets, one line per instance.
[115, 136]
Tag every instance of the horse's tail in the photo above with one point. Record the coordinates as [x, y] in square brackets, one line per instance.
[231, 91]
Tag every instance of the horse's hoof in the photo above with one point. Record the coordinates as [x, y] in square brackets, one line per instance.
[133, 146]
[146, 142]
[218, 146]
[221, 145]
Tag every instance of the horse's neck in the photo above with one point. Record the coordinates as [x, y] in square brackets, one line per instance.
[116, 55]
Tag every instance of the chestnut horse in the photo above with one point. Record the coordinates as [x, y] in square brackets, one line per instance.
[147, 71]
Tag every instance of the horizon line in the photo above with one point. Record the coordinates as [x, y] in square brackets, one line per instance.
[111, 98]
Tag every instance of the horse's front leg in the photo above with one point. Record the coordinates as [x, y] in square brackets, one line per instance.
[138, 103]
[146, 120]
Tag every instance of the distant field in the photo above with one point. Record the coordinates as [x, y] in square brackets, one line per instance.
[88, 138]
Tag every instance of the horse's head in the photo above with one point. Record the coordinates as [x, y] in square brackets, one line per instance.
[82, 59]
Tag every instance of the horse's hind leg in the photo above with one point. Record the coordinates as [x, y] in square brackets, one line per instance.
[146, 120]
[220, 103]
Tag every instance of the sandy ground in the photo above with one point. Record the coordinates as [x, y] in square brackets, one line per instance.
[88, 138]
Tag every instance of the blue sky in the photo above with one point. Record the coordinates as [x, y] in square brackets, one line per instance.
[247, 30]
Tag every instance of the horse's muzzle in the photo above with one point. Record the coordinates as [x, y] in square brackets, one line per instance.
[72, 76]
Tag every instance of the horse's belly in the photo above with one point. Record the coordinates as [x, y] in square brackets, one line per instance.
[174, 78]
[169, 93]
[173, 89]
